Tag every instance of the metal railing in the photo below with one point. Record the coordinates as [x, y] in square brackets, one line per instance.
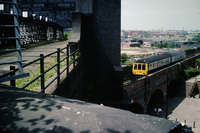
[10, 34]
[72, 51]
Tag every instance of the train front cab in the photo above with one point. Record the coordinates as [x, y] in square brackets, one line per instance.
[140, 68]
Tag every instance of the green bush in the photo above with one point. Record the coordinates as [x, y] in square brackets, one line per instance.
[123, 58]
[128, 63]
[198, 61]
[191, 72]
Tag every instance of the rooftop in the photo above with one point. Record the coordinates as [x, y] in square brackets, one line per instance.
[26, 111]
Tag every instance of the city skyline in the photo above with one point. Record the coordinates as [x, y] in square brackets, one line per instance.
[160, 15]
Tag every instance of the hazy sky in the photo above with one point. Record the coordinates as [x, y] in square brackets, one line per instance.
[158, 14]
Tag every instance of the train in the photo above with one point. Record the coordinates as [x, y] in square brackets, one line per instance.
[148, 65]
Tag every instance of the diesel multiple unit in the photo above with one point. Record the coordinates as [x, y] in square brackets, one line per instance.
[151, 64]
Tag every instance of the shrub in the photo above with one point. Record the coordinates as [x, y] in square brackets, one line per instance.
[198, 61]
[128, 63]
[123, 58]
[191, 72]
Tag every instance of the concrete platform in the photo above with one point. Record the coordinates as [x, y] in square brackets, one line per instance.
[185, 109]
[23, 111]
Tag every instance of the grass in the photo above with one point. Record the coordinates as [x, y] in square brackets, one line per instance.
[129, 63]
[34, 73]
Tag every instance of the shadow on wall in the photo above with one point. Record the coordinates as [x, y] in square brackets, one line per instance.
[100, 81]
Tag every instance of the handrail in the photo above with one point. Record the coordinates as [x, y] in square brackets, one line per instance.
[57, 64]
[11, 10]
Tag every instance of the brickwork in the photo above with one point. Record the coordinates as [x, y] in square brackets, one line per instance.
[156, 81]
[107, 25]
[85, 6]
[100, 50]
[164, 79]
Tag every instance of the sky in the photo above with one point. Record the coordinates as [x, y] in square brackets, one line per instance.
[160, 14]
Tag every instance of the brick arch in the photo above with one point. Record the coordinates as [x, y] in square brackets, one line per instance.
[136, 107]
[155, 99]
[172, 87]
[156, 96]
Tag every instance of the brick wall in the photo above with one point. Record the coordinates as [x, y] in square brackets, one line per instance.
[107, 25]
[100, 47]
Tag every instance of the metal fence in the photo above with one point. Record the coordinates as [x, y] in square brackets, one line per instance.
[9, 33]
[72, 51]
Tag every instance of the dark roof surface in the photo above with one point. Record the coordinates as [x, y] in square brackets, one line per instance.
[160, 57]
[153, 58]
[174, 53]
[23, 111]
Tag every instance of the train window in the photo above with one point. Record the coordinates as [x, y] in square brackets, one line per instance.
[135, 67]
[150, 66]
[156, 64]
[167, 61]
[143, 67]
[139, 67]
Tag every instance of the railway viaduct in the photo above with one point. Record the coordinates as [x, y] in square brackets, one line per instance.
[155, 88]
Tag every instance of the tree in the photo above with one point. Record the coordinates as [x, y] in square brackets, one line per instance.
[196, 38]
[123, 57]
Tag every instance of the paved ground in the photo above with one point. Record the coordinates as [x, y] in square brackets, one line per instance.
[137, 51]
[185, 109]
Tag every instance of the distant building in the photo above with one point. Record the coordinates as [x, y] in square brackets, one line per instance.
[135, 44]
[184, 42]
[147, 44]
[125, 45]
[124, 34]
[190, 46]
[183, 47]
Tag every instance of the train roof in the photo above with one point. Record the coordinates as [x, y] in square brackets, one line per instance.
[153, 58]
[160, 57]
[174, 53]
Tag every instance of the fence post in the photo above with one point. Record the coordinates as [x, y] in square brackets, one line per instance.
[42, 72]
[74, 60]
[58, 67]
[166, 100]
[194, 124]
[12, 82]
[78, 56]
[67, 66]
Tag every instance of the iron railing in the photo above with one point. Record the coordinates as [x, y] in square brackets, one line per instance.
[72, 51]
[10, 34]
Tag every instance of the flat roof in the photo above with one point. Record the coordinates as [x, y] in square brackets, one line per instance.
[27, 111]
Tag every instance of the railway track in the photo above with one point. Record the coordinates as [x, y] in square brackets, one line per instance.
[127, 79]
